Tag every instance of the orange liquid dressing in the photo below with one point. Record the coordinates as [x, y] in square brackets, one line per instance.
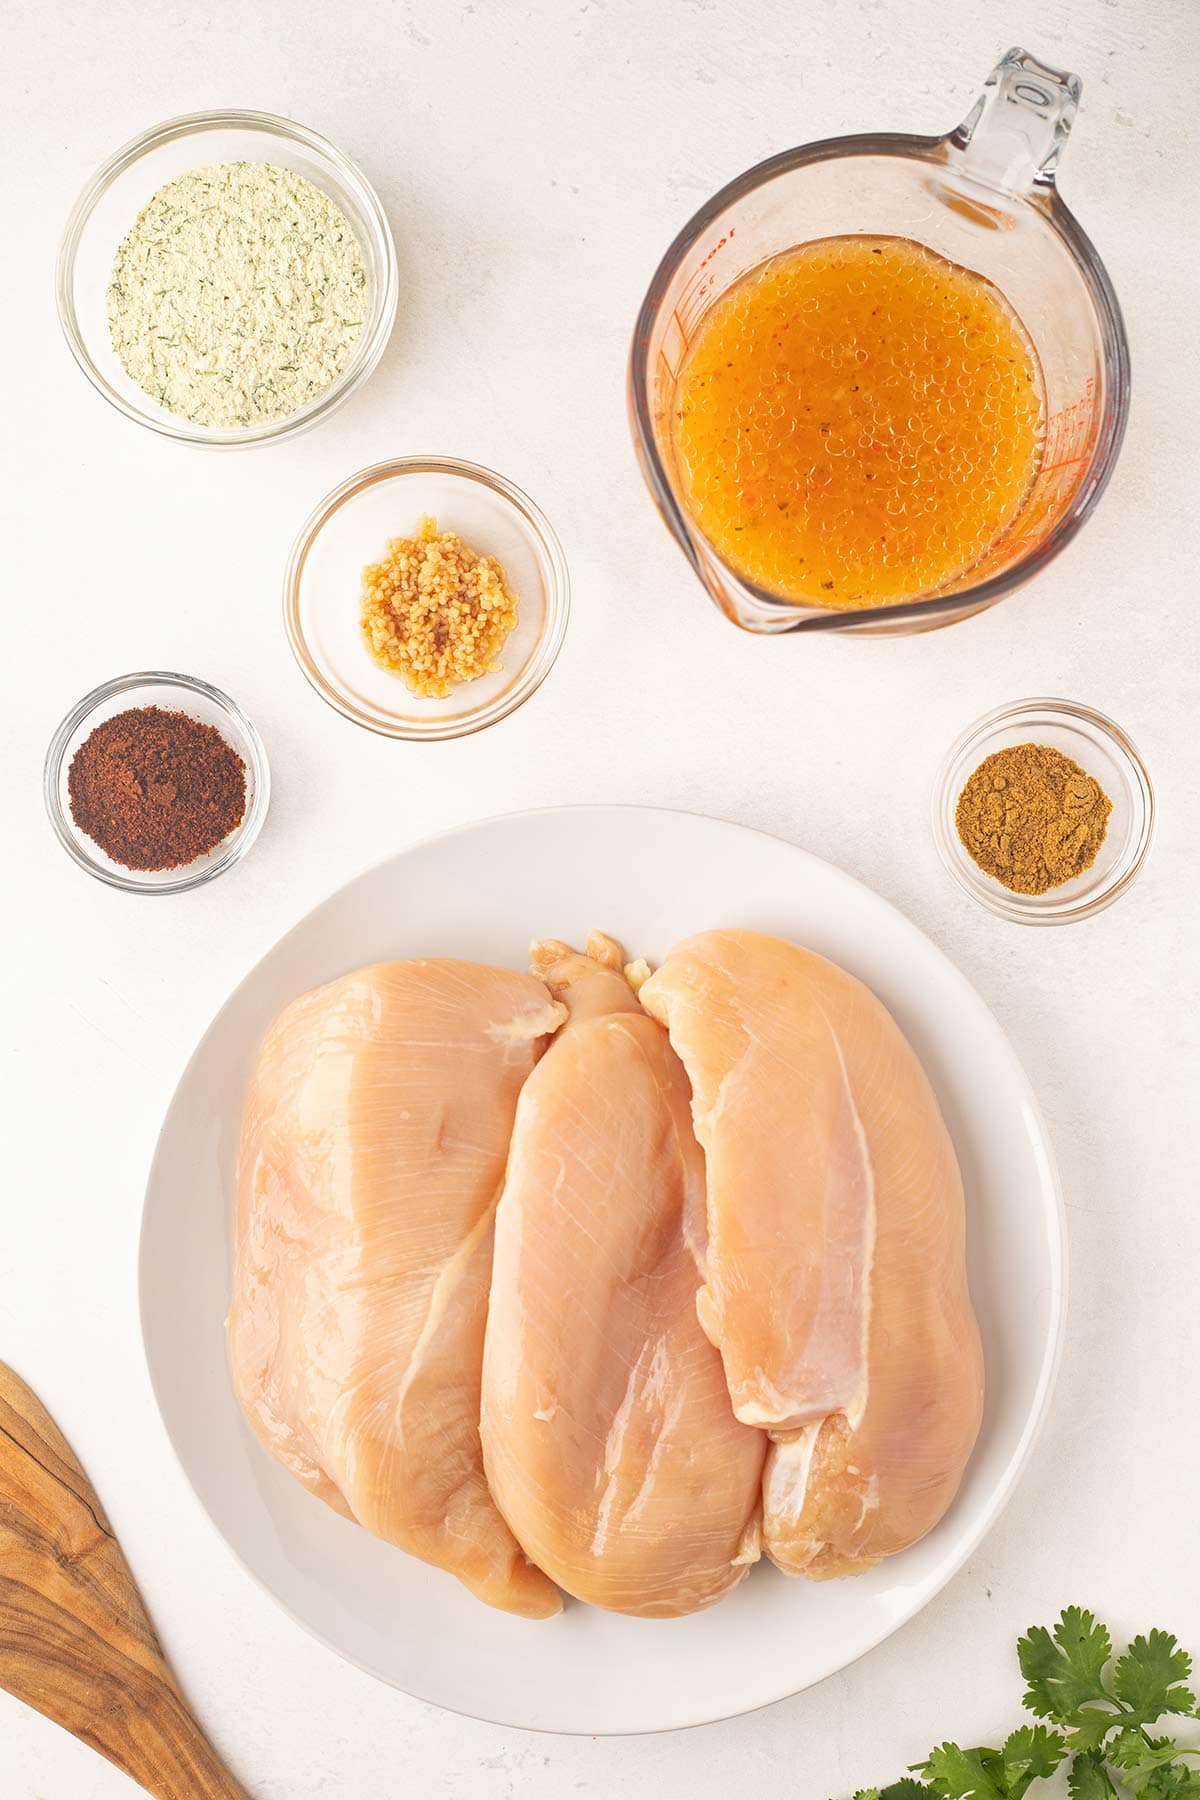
[857, 423]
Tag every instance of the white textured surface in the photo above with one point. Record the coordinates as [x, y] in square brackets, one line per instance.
[534, 162]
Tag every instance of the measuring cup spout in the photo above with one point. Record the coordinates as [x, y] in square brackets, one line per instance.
[1014, 134]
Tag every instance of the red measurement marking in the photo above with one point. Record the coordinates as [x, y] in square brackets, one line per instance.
[694, 308]
[719, 245]
[1064, 462]
[700, 284]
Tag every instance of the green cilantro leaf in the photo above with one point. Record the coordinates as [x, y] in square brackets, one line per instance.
[1150, 1678]
[1154, 1766]
[1089, 1779]
[1179, 1782]
[965, 1774]
[1103, 1718]
[1138, 1755]
[1030, 1753]
[1170, 1781]
[1133, 1749]
[1065, 1670]
[907, 1789]
[1092, 1726]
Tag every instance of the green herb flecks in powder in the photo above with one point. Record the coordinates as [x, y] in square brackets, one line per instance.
[237, 296]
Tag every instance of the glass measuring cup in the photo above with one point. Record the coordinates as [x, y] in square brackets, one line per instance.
[984, 197]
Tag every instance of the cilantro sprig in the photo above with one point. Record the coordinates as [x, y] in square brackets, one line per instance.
[1093, 1714]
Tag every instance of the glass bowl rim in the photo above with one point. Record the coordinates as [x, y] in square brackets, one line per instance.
[239, 840]
[234, 119]
[545, 652]
[1044, 909]
[1114, 346]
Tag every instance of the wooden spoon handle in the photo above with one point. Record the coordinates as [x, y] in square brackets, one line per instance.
[76, 1641]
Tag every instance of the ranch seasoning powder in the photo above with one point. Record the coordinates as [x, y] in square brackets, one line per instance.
[237, 295]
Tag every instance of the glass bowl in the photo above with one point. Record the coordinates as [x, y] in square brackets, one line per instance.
[110, 203]
[174, 693]
[351, 528]
[1104, 752]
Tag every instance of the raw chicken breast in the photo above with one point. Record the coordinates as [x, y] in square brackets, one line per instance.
[373, 1145]
[609, 1441]
[835, 1283]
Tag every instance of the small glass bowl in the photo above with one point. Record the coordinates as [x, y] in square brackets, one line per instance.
[1104, 752]
[174, 693]
[115, 195]
[351, 528]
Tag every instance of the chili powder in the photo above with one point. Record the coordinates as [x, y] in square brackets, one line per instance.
[156, 789]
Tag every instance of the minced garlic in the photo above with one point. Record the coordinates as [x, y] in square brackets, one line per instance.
[237, 295]
[435, 611]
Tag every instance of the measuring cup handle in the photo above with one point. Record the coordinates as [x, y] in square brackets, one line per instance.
[1014, 134]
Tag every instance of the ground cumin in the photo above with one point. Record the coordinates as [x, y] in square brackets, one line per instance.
[1032, 818]
[156, 789]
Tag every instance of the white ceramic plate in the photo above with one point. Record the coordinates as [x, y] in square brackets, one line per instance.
[649, 878]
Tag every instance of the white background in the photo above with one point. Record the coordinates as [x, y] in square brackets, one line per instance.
[534, 162]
